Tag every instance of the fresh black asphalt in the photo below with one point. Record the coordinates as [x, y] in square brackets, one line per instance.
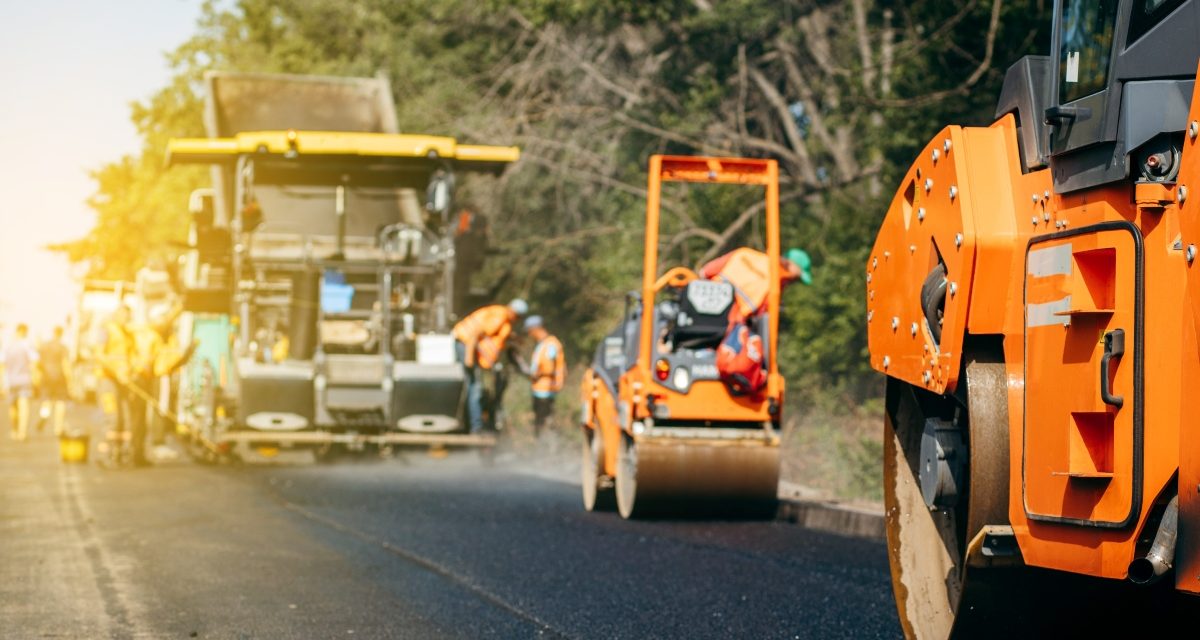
[413, 547]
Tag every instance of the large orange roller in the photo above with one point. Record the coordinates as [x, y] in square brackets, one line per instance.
[1032, 300]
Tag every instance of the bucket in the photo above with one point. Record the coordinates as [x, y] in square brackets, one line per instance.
[336, 298]
[73, 448]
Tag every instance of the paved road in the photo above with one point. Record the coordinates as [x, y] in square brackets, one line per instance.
[408, 548]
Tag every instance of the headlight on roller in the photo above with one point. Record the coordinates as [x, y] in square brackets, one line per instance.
[682, 378]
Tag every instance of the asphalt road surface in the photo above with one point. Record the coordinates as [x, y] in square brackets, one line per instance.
[413, 547]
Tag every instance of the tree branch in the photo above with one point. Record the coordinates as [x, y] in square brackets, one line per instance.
[864, 42]
[965, 86]
[790, 129]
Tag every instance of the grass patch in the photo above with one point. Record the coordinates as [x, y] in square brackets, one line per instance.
[839, 454]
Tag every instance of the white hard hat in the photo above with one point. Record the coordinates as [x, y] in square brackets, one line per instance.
[533, 322]
[519, 306]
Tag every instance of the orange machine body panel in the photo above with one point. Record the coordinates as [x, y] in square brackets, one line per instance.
[943, 212]
[638, 394]
[1186, 196]
[1053, 275]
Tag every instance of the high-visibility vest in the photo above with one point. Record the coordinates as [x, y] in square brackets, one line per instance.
[749, 273]
[147, 344]
[168, 356]
[117, 351]
[485, 331]
[549, 367]
[487, 353]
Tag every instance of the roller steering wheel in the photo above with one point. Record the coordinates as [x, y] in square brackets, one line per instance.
[677, 277]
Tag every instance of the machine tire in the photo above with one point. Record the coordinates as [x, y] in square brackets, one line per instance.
[596, 496]
[937, 595]
[626, 480]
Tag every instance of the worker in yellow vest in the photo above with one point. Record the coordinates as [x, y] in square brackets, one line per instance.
[547, 371]
[117, 354]
[146, 344]
[132, 357]
[479, 339]
[166, 357]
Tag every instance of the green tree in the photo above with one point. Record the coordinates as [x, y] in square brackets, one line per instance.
[841, 92]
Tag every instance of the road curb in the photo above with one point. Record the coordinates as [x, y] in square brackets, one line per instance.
[832, 517]
[808, 508]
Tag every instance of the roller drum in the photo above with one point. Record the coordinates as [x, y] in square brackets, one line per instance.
[663, 475]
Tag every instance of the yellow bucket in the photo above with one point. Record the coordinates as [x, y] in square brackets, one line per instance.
[73, 448]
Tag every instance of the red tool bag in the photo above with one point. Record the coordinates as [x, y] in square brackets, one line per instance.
[740, 360]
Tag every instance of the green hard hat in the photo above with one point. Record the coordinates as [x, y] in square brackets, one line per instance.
[799, 257]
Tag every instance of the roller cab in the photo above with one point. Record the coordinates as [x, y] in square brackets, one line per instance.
[663, 431]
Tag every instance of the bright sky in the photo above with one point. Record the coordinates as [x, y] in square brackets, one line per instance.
[69, 70]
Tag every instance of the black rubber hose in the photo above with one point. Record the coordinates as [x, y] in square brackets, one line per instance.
[933, 300]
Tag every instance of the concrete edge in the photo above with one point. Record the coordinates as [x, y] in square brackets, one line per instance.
[798, 505]
[832, 517]
[811, 509]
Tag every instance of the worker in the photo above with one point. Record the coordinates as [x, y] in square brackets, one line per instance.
[20, 358]
[480, 338]
[167, 358]
[146, 345]
[54, 363]
[547, 371]
[746, 269]
[113, 369]
[125, 365]
[740, 362]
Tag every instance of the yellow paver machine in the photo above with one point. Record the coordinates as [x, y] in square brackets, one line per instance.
[321, 281]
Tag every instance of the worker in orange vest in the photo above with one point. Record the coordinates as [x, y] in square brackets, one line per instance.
[746, 269]
[547, 371]
[479, 340]
[740, 357]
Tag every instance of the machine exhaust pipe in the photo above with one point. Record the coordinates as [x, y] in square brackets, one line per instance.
[1149, 568]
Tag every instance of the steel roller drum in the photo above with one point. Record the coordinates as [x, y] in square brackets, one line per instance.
[658, 475]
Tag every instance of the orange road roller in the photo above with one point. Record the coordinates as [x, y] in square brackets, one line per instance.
[663, 432]
[1033, 298]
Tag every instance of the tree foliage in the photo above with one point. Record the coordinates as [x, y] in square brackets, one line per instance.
[841, 92]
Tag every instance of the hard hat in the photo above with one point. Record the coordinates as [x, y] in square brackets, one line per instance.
[799, 257]
[533, 322]
[519, 306]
